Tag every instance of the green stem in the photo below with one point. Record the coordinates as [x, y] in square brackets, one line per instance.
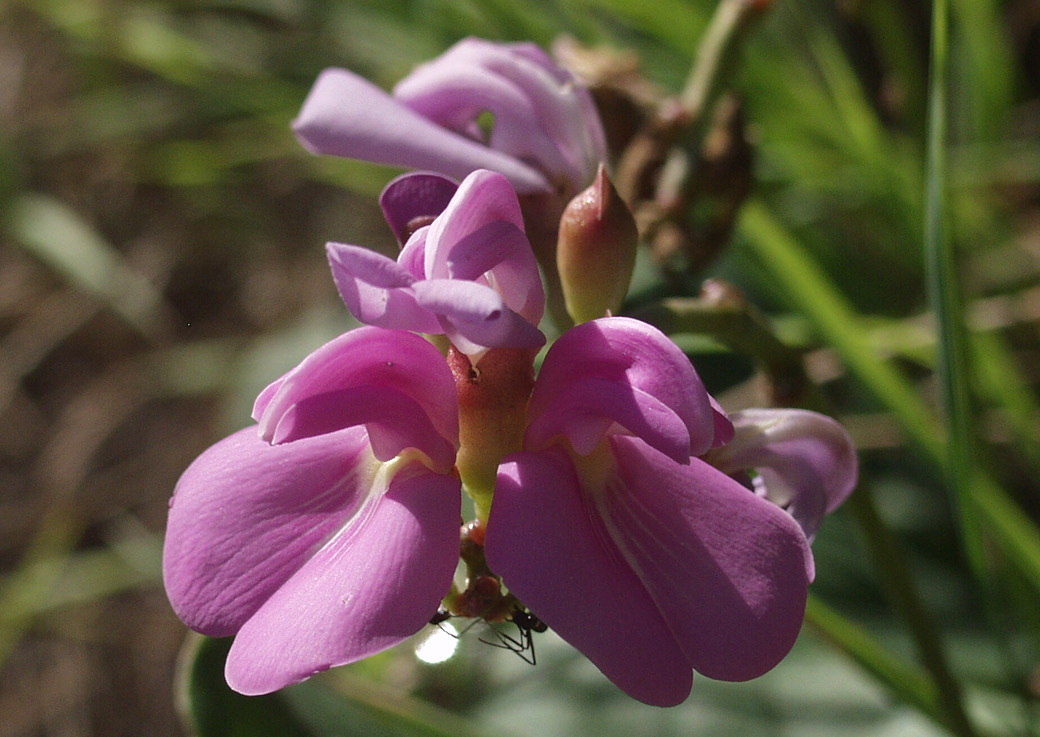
[481, 496]
[683, 120]
[893, 572]
[721, 41]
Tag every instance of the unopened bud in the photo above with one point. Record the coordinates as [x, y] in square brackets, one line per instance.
[597, 251]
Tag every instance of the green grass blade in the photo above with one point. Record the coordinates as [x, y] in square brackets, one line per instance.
[808, 289]
[811, 293]
[1001, 380]
[944, 298]
[907, 681]
[984, 59]
[55, 234]
[673, 22]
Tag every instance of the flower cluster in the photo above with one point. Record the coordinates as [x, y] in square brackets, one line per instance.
[546, 136]
[502, 107]
[616, 501]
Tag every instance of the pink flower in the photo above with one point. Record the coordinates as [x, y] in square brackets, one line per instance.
[617, 515]
[470, 274]
[329, 532]
[804, 462]
[502, 107]
[609, 528]
[546, 136]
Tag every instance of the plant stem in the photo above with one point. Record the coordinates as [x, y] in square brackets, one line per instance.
[720, 42]
[683, 120]
[891, 566]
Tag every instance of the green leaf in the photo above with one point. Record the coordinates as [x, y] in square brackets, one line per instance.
[985, 64]
[336, 705]
[210, 708]
[1001, 378]
[809, 290]
[78, 578]
[944, 299]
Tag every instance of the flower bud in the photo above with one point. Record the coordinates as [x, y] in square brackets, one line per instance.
[597, 251]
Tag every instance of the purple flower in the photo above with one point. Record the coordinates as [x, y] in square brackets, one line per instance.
[503, 107]
[804, 462]
[650, 561]
[618, 515]
[469, 275]
[330, 531]
[545, 136]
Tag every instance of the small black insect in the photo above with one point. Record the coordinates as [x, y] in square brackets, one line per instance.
[526, 620]
[523, 644]
[442, 615]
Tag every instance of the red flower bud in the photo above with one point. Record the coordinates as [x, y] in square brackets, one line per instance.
[597, 251]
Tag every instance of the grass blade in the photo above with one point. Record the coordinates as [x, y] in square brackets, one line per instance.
[952, 366]
[52, 232]
[807, 289]
[906, 680]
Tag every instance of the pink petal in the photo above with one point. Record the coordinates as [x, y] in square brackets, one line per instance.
[557, 558]
[806, 461]
[453, 93]
[728, 571]
[584, 137]
[478, 284]
[637, 359]
[484, 197]
[540, 113]
[367, 265]
[501, 251]
[723, 425]
[413, 256]
[368, 588]
[395, 422]
[586, 411]
[375, 289]
[413, 198]
[263, 399]
[246, 515]
[474, 317]
[367, 357]
[345, 115]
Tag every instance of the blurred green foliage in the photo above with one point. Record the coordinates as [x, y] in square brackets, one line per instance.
[161, 259]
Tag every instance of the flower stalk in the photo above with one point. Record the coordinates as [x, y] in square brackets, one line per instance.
[493, 399]
[682, 120]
